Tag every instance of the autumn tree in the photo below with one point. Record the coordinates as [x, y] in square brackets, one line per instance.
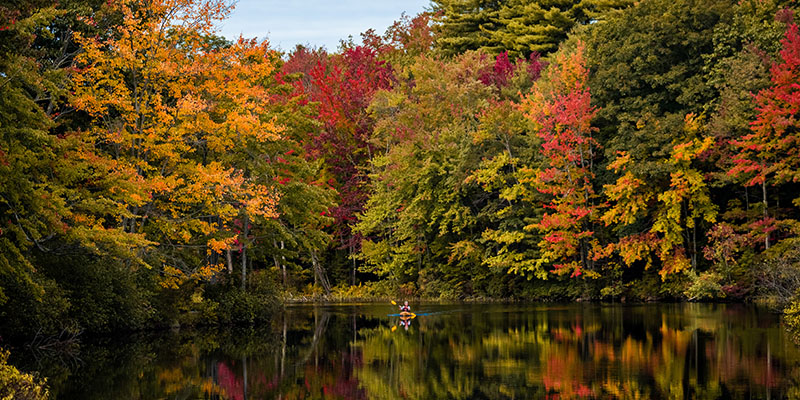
[647, 74]
[43, 198]
[303, 227]
[768, 155]
[508, 151]
[343, 86]
[664, 222]
[403, 41]
[738, 68]
[176, 127]
[419, 208]
[647, 81]
[559, 107]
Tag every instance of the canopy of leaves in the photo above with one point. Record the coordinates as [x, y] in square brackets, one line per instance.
[519, 27]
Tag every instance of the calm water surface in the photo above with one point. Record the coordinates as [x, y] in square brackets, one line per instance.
[474, 351]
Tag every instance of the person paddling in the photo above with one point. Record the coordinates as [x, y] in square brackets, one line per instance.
[405, 307]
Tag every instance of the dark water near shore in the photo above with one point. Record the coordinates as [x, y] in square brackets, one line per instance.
[473, 351]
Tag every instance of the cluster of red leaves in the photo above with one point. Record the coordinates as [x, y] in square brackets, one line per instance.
[342, 86]
[503, 69]
[772, 149]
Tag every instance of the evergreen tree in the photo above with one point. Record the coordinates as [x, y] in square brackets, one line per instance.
[519, 27]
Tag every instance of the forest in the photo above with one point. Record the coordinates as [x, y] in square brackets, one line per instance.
[155, 174]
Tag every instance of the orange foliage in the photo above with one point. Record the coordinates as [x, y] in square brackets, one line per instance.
[173, 120]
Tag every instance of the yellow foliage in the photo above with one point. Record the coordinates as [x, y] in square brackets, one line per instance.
[197, 297]
[172, 278]
[19, 385]
[676, 209]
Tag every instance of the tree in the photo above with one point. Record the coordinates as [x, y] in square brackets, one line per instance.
[505, 172]
[176, 127]
[649, 74]
[403, 41]
[647, 66]
[519, 27]
[35, 181]
[435, 190]
[559, 107]
[303, 225]
[768, 156]
[674, 212]
[419, 206]
[343, 86]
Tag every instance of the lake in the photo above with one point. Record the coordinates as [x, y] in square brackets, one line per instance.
[450, 351]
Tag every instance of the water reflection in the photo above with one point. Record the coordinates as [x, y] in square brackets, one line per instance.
[455, 352]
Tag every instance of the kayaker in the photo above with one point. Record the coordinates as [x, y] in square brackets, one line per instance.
[405, 307]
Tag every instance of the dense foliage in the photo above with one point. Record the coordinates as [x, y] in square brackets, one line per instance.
[518, 27]
[154, 174]
[19, 385]
[141, 165]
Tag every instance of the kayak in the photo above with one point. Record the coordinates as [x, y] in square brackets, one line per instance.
[404, 315]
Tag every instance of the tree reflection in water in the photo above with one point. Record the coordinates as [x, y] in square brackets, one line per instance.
[458, 352]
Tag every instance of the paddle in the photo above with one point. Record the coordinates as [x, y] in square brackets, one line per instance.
[394, 327]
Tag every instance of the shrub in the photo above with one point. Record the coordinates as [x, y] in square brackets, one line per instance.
[254, 304]
[104, 294]
[31, 303]
[778, 274]
[345, 292]
[16, 385]
[791, 315]
[705, 286]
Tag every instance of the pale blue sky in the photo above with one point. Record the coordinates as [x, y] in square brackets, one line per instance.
[316, 22]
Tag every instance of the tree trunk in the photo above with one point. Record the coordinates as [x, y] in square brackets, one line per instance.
[584, 255]
[244, 250]
[230, 261]
[353, 256]
[694, 247]
[587, 261]
[278, 264]
[746, 198]
[319, 273]
[283, 345]
[283, 265]
[766, 214]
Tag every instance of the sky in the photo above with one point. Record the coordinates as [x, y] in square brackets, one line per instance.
[315, 22]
